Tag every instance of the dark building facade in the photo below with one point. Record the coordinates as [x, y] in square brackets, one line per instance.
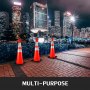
[25, 23]
[4, 23]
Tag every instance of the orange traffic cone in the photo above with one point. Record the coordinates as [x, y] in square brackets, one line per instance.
[52, 50]
[36, 53]
[19, 53]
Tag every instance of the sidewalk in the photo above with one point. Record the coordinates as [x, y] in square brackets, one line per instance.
[69, 64]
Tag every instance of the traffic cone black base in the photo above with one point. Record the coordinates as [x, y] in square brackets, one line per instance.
[36, 61]
[19, 64]
[53, 57]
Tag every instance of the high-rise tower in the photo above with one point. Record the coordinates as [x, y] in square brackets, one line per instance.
[16, 17]
[67, 31]
[57, 18]
[38, 17]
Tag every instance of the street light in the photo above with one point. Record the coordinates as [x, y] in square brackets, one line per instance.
[17, 3]
[68, 13]
[72, 20]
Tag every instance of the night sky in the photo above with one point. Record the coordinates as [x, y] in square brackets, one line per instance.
[78, 7]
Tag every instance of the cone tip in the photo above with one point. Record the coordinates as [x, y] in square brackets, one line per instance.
[52, 39]
[19, 40]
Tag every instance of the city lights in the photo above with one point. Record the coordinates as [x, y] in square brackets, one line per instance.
[48, 17]
[42, 8]
[35, 30]
[68, 13]
[17, 3]
[41, 40]
[72, 19]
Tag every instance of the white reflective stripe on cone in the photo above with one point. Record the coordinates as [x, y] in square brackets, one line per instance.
[19, 50]
[36, 49]
[36, 44]
[19, 44]
[52, 46]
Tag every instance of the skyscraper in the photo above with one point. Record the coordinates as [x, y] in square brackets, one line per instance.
[26, 23]
[57, 18]
[82, 33]
[38, 17]
[88, 32]
[49, 23]
[67, 31]
[16, 18]
[56, 29]
[76, 32]
[4, 23]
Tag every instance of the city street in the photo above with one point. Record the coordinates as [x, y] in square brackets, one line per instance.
[74, 63]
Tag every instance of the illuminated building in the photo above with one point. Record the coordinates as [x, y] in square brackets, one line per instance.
[85, 32]
[76, 32]
[56, 29]
[88, 32]
[49, 23]
[25, 23]
[16, 17]
[57, 18]
[82, 33]
[4, 23]
[38, 17]
[67, 31]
